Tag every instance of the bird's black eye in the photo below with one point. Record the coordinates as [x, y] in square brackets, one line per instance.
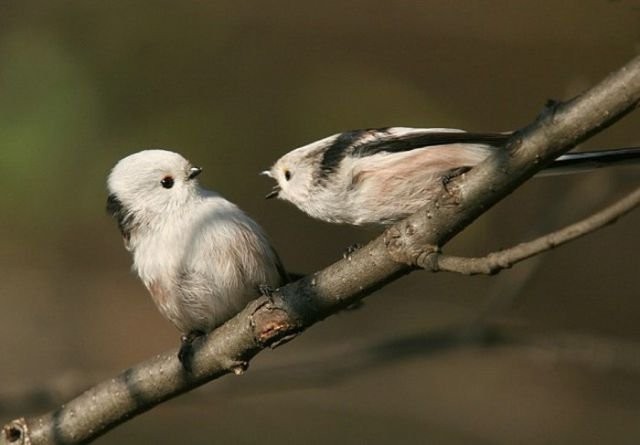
[287, 175]
[167, 182]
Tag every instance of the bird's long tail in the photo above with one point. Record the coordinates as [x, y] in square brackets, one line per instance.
[577, 162]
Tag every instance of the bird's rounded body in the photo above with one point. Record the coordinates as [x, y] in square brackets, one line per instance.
[204, 264]
[201, 257]
[376, 176]
[381, 176]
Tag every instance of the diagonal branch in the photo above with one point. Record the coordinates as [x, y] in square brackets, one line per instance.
[504, 259]
[269, 321]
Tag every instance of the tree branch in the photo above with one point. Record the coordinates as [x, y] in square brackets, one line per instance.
[270, 321]
[504, 259]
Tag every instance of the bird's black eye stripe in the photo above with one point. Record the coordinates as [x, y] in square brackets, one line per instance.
[167, 182]
[287, 175]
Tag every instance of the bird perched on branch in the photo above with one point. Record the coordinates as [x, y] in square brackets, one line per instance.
[201, 257]
[380, 176]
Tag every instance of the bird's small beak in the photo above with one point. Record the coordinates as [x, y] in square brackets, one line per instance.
[266, 173]
[273, 193]
[194, 171]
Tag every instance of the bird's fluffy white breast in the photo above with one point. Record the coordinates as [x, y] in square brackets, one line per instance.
[207, 259]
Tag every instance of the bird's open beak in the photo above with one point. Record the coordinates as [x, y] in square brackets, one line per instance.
[273, 193]
[194, 171]
[276, 188]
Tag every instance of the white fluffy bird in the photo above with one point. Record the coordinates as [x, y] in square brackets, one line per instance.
[201, 257]
[380, 176]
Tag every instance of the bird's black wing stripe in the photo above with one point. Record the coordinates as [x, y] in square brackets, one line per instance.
[414, 141]
[338, 150]
[356, 143]
[124, 218]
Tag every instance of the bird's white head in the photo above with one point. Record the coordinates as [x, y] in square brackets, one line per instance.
[296, 173]
[148, 183]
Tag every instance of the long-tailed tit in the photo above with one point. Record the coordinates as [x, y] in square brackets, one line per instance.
[380, 176]
[201, 257]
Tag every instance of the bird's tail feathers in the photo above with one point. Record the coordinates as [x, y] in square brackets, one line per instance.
[577, 162]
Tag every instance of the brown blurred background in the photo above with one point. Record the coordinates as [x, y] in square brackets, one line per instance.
[234, 85]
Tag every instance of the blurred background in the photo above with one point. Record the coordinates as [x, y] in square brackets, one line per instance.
[548, 352]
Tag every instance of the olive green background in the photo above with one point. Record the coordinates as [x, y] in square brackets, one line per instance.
[234, 85]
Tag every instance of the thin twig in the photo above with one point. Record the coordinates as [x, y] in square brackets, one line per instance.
[504, 259]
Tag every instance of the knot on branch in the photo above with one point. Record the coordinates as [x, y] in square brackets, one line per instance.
[404, 245]
[272, 323]
[430, 260]
[497, 262]
[552, 108]
[17, 432]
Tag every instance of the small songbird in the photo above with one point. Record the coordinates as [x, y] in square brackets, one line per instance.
[201, 257]
[381, 176]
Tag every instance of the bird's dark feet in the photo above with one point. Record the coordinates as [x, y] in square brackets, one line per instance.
[185, 354]
[265, 290]
[350, 250]
[452, 174]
